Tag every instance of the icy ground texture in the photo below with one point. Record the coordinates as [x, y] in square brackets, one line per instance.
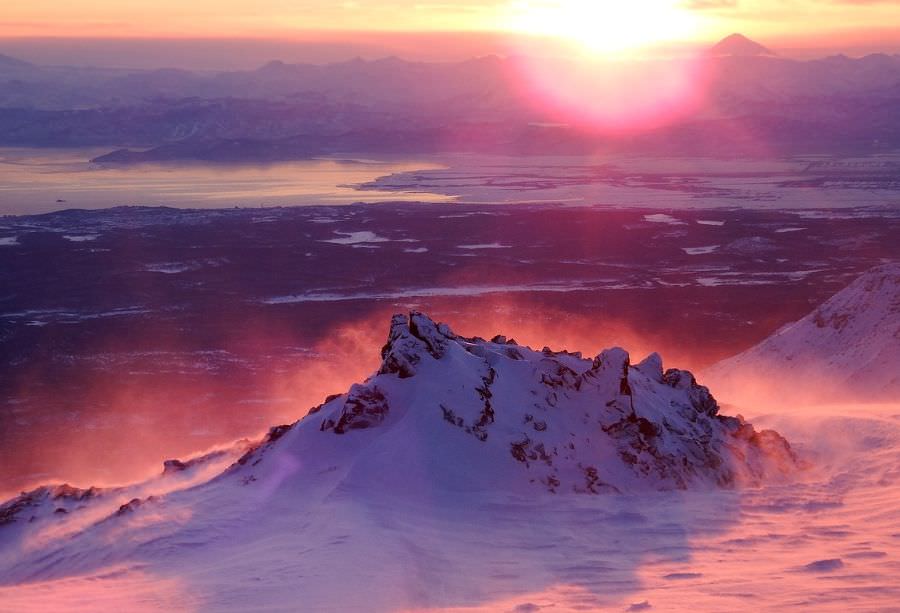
[847, 348]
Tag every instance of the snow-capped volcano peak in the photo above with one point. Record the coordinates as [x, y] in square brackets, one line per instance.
[847, 348]
[738, 45]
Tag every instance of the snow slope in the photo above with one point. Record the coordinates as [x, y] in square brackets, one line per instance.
[482, 475]
[848, 348]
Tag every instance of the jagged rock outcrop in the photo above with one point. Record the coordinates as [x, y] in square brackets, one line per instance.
[408, 339]
[364, 407]
[29, 506]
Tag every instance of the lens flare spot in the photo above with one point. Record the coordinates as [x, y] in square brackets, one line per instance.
[614, 97]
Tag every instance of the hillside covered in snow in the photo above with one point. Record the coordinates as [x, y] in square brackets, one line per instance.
[848, 348]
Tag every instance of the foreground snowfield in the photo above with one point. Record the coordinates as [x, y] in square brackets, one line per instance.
[439, 486]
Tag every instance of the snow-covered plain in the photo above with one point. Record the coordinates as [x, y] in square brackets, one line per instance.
[483, 476]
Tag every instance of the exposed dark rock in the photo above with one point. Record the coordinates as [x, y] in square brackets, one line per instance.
[365, 407]
[133, 505]
[11, 511]
[701, 398]
[408, 337]
[174, 466]
[276, 432]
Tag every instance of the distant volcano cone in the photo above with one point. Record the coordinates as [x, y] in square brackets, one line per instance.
[738, 45]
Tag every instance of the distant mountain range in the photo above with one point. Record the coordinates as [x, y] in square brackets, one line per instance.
[754, 102]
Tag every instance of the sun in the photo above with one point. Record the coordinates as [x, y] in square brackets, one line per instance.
[604, 27]
[609, 65]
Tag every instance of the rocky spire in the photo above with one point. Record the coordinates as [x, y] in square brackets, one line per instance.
[411, 339]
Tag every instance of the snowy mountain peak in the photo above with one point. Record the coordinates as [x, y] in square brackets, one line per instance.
[450, 414]
[448, 423]
[528, 418]
[846, 348]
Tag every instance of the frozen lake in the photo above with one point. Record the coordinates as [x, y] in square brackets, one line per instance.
[42, 180]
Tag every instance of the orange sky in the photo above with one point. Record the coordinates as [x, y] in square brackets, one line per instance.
[780, 20]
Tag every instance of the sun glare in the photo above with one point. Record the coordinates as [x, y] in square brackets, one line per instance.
[602, 65]
[604, 27]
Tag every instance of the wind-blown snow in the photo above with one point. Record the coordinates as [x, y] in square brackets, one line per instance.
[485, 476]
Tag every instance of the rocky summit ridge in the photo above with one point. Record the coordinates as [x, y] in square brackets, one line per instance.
[553, 419]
